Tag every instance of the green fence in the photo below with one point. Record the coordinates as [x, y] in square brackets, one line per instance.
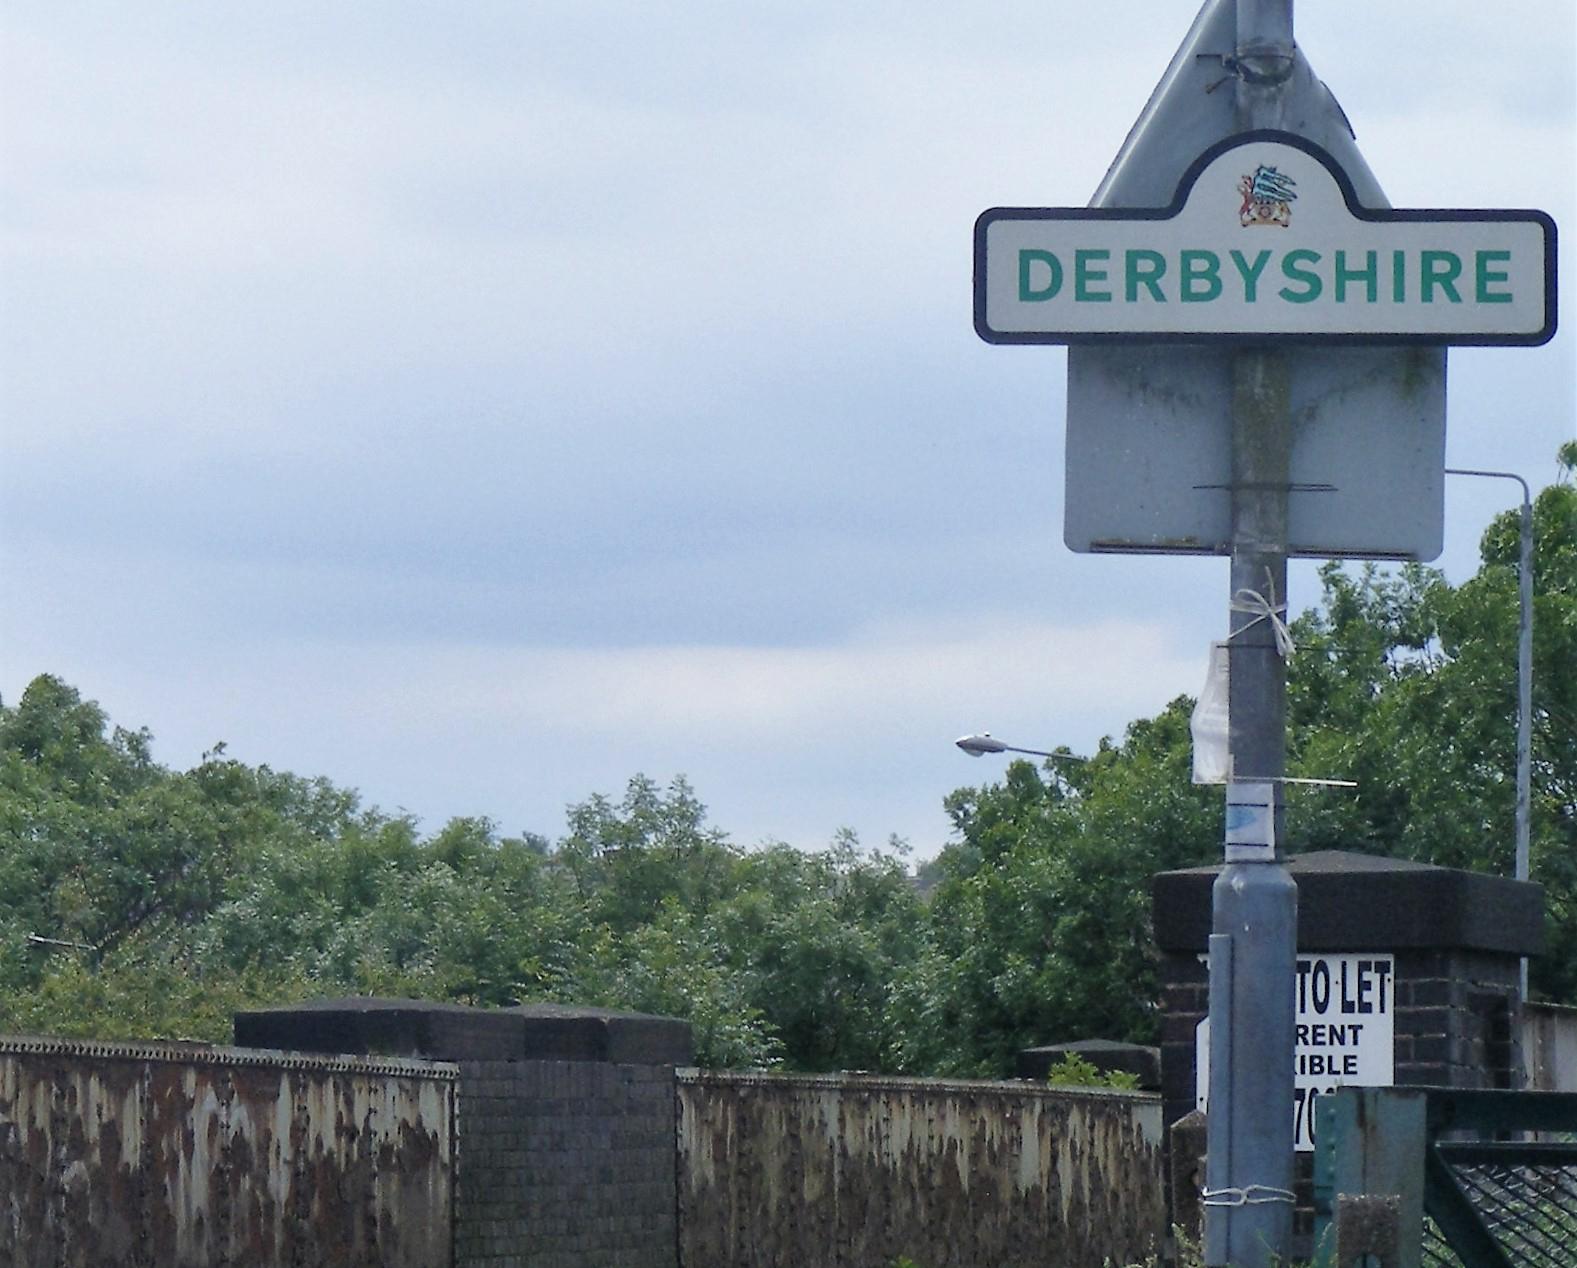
[1446, 1178]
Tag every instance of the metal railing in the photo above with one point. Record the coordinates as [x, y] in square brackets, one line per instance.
[1500, 1180]
[1487, 1178]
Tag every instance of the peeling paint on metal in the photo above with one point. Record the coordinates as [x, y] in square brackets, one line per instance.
[845, 1171]
[180, 1156]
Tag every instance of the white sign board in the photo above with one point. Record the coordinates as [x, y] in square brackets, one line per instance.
[1251, 821]
[1346, 1033]
[1265, 241]
[1149, 456]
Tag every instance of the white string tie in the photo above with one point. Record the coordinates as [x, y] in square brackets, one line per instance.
[1248, 1195]
[1253, 603]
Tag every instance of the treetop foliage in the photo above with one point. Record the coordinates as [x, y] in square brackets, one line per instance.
[136, 900]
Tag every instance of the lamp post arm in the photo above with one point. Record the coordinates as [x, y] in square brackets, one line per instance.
[979, 745]
[1055, 757]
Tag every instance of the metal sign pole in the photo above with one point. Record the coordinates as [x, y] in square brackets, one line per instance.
[1249, 1172]
[1205, 390]
[1524, 680]
[1248, 1203]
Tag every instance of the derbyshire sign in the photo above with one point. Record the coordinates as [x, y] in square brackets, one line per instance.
[1265, 241]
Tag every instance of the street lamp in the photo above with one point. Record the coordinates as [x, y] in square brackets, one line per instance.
[1524, 676]
[985, 742]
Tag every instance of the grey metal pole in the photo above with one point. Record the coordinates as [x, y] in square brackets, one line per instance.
[1522, 866]
[1253, 947]
[1249, 1168]
[1262, 60]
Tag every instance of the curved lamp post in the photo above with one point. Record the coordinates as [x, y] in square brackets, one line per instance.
[985, 742]
[1524, 675]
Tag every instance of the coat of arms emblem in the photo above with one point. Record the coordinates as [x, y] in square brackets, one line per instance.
[1267, 199]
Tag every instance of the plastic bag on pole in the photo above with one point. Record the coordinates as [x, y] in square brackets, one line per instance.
[1208, 724]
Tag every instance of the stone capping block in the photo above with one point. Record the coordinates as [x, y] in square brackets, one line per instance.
[885, 1084]
[195, 1053]
[368, 1026]
[1361, 902]
[565, 1032]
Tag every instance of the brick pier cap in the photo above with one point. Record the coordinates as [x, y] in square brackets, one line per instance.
[1349, 902]
[370, 1025]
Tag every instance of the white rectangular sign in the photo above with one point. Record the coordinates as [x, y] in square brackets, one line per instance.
[1265, 241]
[1251, 821]
[1345, 1033]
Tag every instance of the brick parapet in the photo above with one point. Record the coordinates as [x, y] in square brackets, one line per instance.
[564, 1120]
[565, 1163]
[1456, 1017]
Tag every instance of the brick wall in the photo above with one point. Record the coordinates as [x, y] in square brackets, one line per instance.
[1456, 937]
[1455, 1019]
[564, 1120]
[579, 1145]
[565, 1163]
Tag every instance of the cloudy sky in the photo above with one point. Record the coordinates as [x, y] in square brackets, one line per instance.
[481, 403]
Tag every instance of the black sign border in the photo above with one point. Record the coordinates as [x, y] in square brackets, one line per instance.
[1185, 187]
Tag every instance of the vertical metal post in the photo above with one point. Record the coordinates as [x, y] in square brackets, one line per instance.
[1522, 866]
[1524, 706]
[1249, 1167]
[1262, 60]
[1261, 459]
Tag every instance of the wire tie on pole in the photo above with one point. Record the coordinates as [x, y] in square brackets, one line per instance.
[1248, 1195]
[1253, 603]
[1263, 78]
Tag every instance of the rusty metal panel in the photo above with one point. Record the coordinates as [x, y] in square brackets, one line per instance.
[179, 1156]
[846, 1171]
[1549, 1047]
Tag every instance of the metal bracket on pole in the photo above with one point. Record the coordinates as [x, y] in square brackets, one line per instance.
[1218, 1150]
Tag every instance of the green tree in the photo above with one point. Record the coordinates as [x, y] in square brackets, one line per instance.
[1408, 685]
[101, 843]
[1040, 921]
[1040, 925]
[821, 937]
[136, 900]
[674, 965]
